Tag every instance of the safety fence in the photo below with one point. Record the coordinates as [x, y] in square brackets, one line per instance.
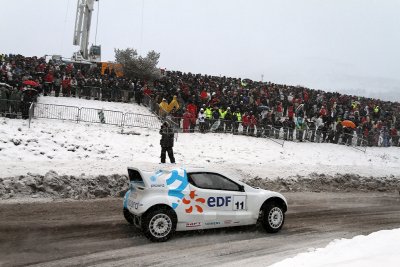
[92, 115]
[277, 135]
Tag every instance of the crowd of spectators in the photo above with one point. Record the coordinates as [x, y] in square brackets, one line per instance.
[27, 77]
[265, 109]
[214, 103]
[63, 78]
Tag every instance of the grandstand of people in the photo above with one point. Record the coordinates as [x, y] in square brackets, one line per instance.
[195, 102]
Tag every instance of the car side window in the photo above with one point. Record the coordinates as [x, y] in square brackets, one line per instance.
[212, 181]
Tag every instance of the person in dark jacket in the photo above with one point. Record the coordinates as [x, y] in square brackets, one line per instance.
[277, 125]
[291, 126]
[285, 126]
[167, 142]
[339, 131]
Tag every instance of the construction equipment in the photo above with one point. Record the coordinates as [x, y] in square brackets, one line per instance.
[83, 20]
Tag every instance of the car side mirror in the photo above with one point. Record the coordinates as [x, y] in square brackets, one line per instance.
[241, 188]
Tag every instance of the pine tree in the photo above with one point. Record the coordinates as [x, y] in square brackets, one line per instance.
[135, 66]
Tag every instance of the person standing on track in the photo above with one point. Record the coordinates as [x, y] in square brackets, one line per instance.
[167, 142]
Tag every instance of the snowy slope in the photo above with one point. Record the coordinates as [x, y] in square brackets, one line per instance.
[74, 148]
[80, 102]
[377, 249]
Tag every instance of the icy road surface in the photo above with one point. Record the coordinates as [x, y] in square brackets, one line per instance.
[65, 233]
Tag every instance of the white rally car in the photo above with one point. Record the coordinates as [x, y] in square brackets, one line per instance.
[162, 202]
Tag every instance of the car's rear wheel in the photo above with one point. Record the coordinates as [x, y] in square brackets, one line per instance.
[128, 216]
[273, 217]
[159, 225]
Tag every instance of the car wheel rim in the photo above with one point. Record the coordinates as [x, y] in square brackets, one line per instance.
[275, 217]
[160, 225]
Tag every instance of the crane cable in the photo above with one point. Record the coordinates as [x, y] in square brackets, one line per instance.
[141, 29]
[65, 25]
[97, 22]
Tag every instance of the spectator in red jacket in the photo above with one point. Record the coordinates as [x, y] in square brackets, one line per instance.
[48, 83]
[192, 108]
[395, 137]
[290, 112]
[187, 120]
[245, 121]
[66, 86]
[204, 96]
[147, 91]
[252, 124]
[323, 112]
[279, 110]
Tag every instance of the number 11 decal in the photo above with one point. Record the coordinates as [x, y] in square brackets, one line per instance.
[239, 202]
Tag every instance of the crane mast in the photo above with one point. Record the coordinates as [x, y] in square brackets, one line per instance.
[83, 21]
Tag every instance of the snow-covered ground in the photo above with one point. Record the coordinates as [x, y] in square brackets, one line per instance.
[80, 102]
[377, 249]
[74, 148]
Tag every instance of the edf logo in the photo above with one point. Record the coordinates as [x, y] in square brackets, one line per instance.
[219, 201]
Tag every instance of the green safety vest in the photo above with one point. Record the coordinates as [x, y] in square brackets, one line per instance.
[238, 115]
[222, 114]
[208, 113]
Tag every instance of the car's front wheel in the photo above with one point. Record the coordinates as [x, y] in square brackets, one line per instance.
[273, 217]
[159, 225]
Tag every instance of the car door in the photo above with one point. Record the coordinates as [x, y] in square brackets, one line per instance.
[216, 200]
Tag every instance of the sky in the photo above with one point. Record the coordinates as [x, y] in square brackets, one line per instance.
[350, 46]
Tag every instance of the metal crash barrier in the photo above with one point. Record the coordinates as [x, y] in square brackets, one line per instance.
[58, 112]
[143, 121]
[101, 116]
[91, 115]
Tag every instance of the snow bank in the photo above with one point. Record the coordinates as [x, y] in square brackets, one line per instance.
[52, 185]
[329, 183]
[377, 249]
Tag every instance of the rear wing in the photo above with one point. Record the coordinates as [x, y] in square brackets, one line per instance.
[136, 178]
[148, 179]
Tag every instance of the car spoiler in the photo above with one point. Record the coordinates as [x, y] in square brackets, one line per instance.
[147, 179]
